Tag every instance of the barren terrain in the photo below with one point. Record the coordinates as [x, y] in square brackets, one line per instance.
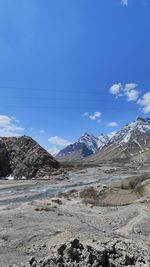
[94, 205]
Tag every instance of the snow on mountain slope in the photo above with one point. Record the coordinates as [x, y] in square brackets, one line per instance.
[127, 144]
[136, 128]
[102, 140]
[85, 146]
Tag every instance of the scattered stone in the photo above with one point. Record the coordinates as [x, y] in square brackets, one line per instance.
[57, 201]
[33, 262]
[109, 254]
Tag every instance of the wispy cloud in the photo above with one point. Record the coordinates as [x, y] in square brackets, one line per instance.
[42, 131]
[111, 134]
[57, 143]
[85, 114]
[129, 90]
[124, 2]
[9, 126]
[144, 102]
[54, 150]
[56, 140]
[95, 115]
[112, 124]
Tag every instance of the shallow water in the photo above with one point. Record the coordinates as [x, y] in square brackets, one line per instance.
[33, 191]
[30, 192]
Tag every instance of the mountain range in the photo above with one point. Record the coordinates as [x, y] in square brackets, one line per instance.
[85, 146]
[24, 157]
[132, 142]
[130, 145]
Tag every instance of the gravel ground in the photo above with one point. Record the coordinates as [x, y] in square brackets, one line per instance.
[35, 227]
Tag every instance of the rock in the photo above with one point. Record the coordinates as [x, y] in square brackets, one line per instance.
[23, 157]
[32, 262]
[4, 162]
[110, 254]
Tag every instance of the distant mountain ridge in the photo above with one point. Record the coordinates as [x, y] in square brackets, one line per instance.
[85, 146]
[131, 143]
[139, 126]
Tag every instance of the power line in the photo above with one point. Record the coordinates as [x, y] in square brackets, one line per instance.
[65, 108]
[50, 90]
[54, 98]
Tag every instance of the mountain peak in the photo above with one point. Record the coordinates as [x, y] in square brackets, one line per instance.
[129, 144]
[86, 135]
[141, 119]
[102, 135]
[85, 146]
[139, 127]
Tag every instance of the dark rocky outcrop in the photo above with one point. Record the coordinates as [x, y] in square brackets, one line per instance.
[4, 162]
[110, 254]
[24, 157]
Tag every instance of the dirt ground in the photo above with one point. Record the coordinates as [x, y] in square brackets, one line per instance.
[35, 218]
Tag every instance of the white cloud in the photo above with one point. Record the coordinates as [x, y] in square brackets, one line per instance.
[128, 90]
[124, 2]
[95, 116]
[85, 114]
[130, 86]
[56, 140]
[59, 143]
[115, 88]
[14, 118]
[9, 127]
[42, 131]
[111, 134]
[132, 95]
[112, 124]
[144, 102]
[54, 150]
[131, 92]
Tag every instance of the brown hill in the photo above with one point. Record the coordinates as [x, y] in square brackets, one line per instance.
[24, 157]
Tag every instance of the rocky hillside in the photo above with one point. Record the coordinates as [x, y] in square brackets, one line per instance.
[131, 143]
[85, 146]
[23, 157]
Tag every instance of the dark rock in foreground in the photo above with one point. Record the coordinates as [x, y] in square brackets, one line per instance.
[109, 254]
[24, 157]
[4, 162]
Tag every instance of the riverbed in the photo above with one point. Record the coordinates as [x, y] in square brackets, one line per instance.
[34, 220]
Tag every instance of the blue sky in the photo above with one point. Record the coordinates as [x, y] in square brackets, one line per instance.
[72, 66]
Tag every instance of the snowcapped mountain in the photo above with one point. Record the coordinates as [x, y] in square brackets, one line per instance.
[131, 143]
[135, 129]
[85, 146]
[102, 140]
